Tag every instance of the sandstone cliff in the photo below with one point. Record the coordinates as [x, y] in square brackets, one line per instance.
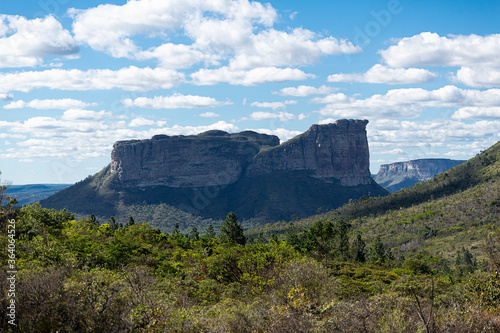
[337, 151]
[186, 179]
[400, 175]
[212, 158]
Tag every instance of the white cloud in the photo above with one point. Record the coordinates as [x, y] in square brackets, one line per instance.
[237, 31]
[209, 115]
[405, 102]
[110, 28]
[281, 116]
[6, 97]
[86, 136]
[386, 75]
[24, 43]
[479, 76]
[430, 49]
[66, 103]
[129, 78]
[418, 133]
[176, 56]
[278, 48]
[248, 78]
[78, 114]
[477, 113]
[271, 105]
[176, 101]
[304, 91]
[143, 122]
[282, 133]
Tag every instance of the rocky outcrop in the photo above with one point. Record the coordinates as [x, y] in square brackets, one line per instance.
[337, 151]
[400, 175]
[212, 158]
[206, 176]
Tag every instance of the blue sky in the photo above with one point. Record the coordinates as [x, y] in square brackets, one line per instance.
[77, 76]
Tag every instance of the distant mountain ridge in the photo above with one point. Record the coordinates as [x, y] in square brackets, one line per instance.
[399, 175]
[182, 179]
[31, 193]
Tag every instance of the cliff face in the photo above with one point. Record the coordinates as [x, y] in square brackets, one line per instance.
[209, 159]
[337, 151]
[334, 151]
[399, 175]
[213, 173]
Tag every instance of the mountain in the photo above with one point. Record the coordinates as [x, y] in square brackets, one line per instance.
[400, 175]
[198, 179]
[457, 209]
[31, 193]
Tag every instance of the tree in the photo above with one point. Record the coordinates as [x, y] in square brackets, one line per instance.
[377, 250]
[342, 228]
[131, 222]
[93, 220]
[112, 223]
[193, 235]
[210, 232]
[359, 247]
[231, 231]
[321, 238]
[176, 230]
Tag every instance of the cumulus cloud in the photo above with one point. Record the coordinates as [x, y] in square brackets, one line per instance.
[304, 91]
[24, 43]
[6, 97]
[83, 134]
[406, 103]
[129, 78]
[248, 77]
[281, 116]
[418, 133]
[209, 115]
[430, 49]
[278, 48]
[78, 114]
[282, 133]
[66, 103]
[176, 101]
[237, 31]
[110, 28]
[477, 113]
[273, 105]
[142, 122]
[386, 75]
[478, 76]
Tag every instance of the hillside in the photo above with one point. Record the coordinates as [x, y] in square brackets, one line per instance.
[426, 267]
[399, 175]
[197, 180]
[458, 208]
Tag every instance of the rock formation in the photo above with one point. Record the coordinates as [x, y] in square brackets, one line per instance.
[337, 151]
[213, 173]
[334, 151]
[400, 175]
[212, 158]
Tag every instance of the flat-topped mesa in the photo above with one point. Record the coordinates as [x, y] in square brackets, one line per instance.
[337, 151]
[213, 158]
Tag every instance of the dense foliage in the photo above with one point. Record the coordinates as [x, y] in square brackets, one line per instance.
[425, 259]
[80, 276]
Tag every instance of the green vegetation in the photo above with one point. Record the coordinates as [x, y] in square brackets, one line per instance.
[79, 276]
[425, 259]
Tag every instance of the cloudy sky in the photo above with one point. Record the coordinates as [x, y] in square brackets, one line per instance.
[76, 76]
